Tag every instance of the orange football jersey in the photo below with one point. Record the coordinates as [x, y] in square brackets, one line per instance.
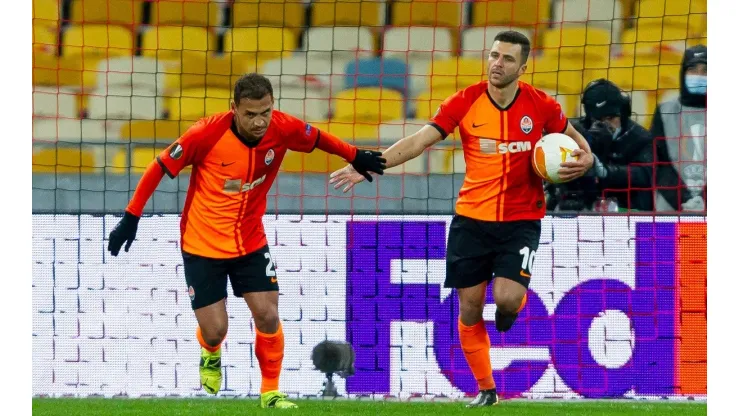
[500, 183]
[227, 196]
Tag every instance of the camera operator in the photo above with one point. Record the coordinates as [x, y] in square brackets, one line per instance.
[623, 155]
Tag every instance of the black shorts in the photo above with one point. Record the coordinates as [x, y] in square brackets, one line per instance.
[206, 277]
[478, 250]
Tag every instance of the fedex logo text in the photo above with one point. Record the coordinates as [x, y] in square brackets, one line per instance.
[604, 336]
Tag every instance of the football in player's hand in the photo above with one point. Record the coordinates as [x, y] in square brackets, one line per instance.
[549, 152]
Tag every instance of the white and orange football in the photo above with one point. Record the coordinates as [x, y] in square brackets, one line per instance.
[549, 152]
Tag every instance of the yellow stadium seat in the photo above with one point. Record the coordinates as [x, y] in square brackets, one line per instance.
[97, 41]
[427, 103]
[196, 103]
[200, 72]
[427, 13]
[349, 130]
[368, 105]
[660, 8]
[643, 78]
[275, 13]
[121, 12]
[47, 10]
[186, 12]
[153, 130]
[525, 13]
[172, 42]
[545, 72]
[346, 13]
[456, 73]
[314, 162]
[592, 43]
[45, 36]
[256, 46]
[142, 156]
[651, 53]
[64, 160]
[49, 69]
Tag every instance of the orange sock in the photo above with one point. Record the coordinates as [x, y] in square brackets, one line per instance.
[524, 302]
[476, 345]
[269, 349]
[209, 348]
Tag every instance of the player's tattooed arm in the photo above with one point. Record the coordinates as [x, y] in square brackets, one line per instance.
[403, 150]
[573, 170]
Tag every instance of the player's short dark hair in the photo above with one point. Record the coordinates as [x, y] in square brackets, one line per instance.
[252, 86]
[516, 38]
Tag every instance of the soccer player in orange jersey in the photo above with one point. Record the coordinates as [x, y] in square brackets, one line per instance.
[496, 229]
[235, 157]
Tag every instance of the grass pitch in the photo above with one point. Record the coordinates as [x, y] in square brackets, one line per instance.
[221, 407]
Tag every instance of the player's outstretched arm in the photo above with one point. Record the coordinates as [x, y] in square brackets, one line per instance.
[403, 150]
[573, 170]
[125, 230]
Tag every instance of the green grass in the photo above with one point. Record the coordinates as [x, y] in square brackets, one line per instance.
[227, 407]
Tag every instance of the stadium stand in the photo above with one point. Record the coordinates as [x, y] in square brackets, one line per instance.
[111, 72]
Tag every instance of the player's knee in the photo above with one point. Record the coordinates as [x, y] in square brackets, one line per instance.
[508, 303]
[267, 321]
[214, 334]
[471, 311]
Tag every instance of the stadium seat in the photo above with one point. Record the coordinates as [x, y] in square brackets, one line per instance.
[605, 14]
[522, 13]
[544, 72]
[173, 42]
[187, 12]
[367, 105]
[674, 20]
[68, 130]
[417, 47]
[367, 132]
[347, 13]
[53, 101]
[651, 53]
[269, 13]
[164, 131]
[64, 160]
[119, 12]
[45, 36]
[196, 103]
[133, 72]
[590, 43]
[97, 41]
[314, 162]
[627, 76]
[342, 43]
[47, 10]
[427, 13]
[124, 103]
[199, 71]
[298, 70]
[427, 103]
[258, 45]
[456, 73]
[376, 72]
[477, 41]
[308, 104]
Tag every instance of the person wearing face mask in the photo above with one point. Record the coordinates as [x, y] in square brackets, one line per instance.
[623, 155]
[679, 128]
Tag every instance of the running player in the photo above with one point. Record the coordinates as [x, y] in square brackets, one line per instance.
[235, 157]
[496, 229]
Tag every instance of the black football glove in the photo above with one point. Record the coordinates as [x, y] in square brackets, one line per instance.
[368, 161]
[123, 232]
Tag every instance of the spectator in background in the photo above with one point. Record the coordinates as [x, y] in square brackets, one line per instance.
[679, 128]
[623, 156]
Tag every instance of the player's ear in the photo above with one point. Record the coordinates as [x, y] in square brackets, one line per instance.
[233, 106]
[523, 69]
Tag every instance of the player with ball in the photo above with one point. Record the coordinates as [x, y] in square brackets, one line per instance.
[496, 229]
